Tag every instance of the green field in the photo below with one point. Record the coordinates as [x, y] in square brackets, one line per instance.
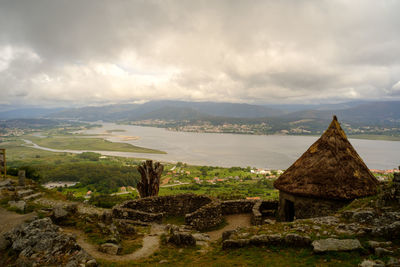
[375, 137]
[87, 143]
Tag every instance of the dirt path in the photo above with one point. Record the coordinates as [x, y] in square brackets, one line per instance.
[234, 221]
[8, 219]
[150, 245]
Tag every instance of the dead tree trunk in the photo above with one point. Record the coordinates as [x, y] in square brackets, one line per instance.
[150, 183]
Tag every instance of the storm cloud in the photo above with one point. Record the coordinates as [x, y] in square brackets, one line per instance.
[97, 52]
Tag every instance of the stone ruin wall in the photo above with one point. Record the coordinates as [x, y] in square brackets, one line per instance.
[201, 212]
[154, 209]
[175, 205]
[206, 217]
[237, 206]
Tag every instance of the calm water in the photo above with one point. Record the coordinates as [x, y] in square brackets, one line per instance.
[271, 151]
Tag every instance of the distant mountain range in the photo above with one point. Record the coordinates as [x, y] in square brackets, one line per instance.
[27, 113]
[384, 112]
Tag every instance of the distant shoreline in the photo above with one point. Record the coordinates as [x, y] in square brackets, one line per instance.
[376, 137]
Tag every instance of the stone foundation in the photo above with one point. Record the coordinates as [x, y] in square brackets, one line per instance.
[201, 212]
[154, 209]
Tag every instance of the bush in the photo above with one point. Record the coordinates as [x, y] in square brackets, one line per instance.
[92, 156]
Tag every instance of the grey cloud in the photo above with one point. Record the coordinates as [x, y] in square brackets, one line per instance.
[254, 51]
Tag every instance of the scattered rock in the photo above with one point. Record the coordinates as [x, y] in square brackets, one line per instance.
[20, 205]
[332, 244]
[124, 227]
[201, 237]
[163, 262]
[371, 263]
[363, 216]
[33, 196]
[24, 193]
[376, 244]
[91, 263]
[269, 221]
[367, 263]
[326, 220]
[382, 252]
[391, 231]
[182, 239]
[6, 182]
[227, 234]
[110, 248]
[59, 213]
[393, 262]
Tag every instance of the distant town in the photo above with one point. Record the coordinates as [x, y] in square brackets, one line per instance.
[300, 127]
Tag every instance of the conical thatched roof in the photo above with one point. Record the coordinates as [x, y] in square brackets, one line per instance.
[329, 169]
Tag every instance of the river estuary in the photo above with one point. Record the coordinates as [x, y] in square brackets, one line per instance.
[262, 151]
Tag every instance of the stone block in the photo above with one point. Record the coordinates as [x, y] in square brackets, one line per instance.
[332, 244]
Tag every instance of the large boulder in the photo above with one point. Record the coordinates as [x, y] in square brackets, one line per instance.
[59, 214]
[182, 239]
[110, 248]
[332, 244]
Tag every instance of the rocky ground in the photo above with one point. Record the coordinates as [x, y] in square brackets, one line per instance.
[39, 242]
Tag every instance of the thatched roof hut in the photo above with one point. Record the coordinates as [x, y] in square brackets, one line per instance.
[329, 169]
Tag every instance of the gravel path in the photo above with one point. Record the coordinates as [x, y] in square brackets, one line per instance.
[151, 244]
[234, 221]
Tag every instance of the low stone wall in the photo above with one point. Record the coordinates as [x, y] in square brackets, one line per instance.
[175, 205]
[256, 216]
[262, 209]
[201, 212]
[154, 209]
[137, 215]
[206, 217]
[237, 206]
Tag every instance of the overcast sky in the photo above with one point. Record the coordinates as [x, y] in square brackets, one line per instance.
[57, 53]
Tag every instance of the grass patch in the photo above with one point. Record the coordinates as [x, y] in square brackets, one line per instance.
[360, 203]
[131, 245]
[251, 256]
[79, 143]
[375, 137]
[177, 220]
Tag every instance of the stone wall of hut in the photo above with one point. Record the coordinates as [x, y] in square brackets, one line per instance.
[305, 207]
